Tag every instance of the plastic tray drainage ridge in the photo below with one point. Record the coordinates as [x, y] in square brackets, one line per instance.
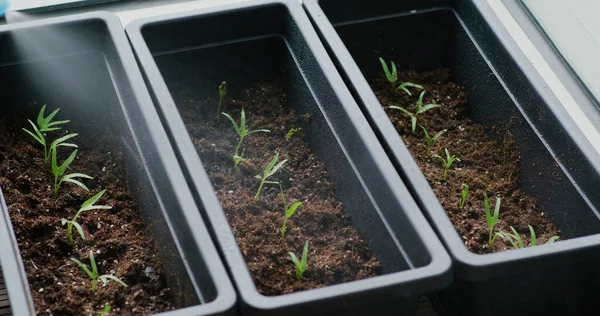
[302, 134]
[87, 225]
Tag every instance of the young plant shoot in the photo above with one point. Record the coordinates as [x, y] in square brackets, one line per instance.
[300, 265]
[517, 242]
[291, 132]
[430, 141]
[392, 77]
[289, 212]
[420, 109]
[492, 220]
[44, 125]
[405, 85]
[222, 94]
[242, 132]
[105, 311]
[86, 206]
[93, 274]
[60, 177]
[270, 170]
[463, 196]
[447, 162]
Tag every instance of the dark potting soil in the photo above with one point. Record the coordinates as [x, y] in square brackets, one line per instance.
[119, 237]
[337, 253]
[487, 165]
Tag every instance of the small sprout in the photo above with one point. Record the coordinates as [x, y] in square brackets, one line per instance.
[300, 265]
[93, 274]
[517, 242]
[86, 206]
[288, 211]
[242, 131]
[222, 94]
[291, 132]
[45, 124]
[491, 220]
[105, 312]
[59, 171]
[432, 140]
[405, 85]
[419, 110]
[391, 77]
[463, 196]
[447, 162]
[269, 171]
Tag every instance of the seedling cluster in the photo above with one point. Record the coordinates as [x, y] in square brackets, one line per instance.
[46, 125]
[492, 218]
[242, 132]
[269, 171]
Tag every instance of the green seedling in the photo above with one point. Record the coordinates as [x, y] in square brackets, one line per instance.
[447, 162]
[492, 220]
[93, 274]
[392, 77]
[430, 141]
[289, 212]
[517, 242]
[45, 124]
[270, 170]
[420, 109]
[463, 196]
[38, 136]
[300, 265]
[242, 132]
[86, 206]
[59, 172]
[405, 85]
[291, 132]
[222, 94]
[105, 311]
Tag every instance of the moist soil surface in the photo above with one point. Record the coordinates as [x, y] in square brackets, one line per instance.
[120, 239]
[487, 165]
[337, 253]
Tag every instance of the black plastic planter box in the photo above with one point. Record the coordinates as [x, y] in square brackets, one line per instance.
[84, 65]
[502, 85]
[229, 42]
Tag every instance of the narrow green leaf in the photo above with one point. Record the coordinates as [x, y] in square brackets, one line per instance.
[552, 239]
[420, 100]
[79, 229]
[93, 263]
[63, 221]
[270, 166]
[533, 237]
[290, 211]
[517, 237]
[428, 107]
[413, 120]
[277, 167]
[294, 258]
[259, 130]
[112, 277]
[76, 182]
[68, 161]
[305, 254]
[235, 126]
[92, 200]
[243, 121]
[84, 267]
